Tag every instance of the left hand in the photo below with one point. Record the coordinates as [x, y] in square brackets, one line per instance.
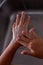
[20, 25]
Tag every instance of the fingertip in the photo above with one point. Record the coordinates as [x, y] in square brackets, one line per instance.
[17, 15]
[22, 53]
[31, 30]
[23, 12]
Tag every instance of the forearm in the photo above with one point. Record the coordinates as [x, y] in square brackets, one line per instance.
[9, 52]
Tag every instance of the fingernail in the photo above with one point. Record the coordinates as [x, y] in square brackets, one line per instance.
[23, 12]
[17, 15]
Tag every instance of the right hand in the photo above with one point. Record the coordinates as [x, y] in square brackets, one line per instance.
[33, 42]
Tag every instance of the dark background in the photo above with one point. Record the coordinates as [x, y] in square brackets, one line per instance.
[7, 16]
[24, 4]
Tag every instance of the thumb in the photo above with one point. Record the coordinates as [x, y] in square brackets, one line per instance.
[13, 27]
[27, 52]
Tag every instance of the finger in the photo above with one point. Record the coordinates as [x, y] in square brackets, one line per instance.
[17, 19]
[22, 18]
[27, 34]
[27, 22]
[32, 29]
[27, 52]
[31, 34]
[22, 42]
[34, 34]
[24, 38]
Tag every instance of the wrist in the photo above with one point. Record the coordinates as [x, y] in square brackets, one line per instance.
[15, 43]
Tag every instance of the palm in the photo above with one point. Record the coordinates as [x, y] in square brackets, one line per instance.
[20, 25]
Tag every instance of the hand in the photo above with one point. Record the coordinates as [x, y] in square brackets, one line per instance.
[33, 42]
[20, 25]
